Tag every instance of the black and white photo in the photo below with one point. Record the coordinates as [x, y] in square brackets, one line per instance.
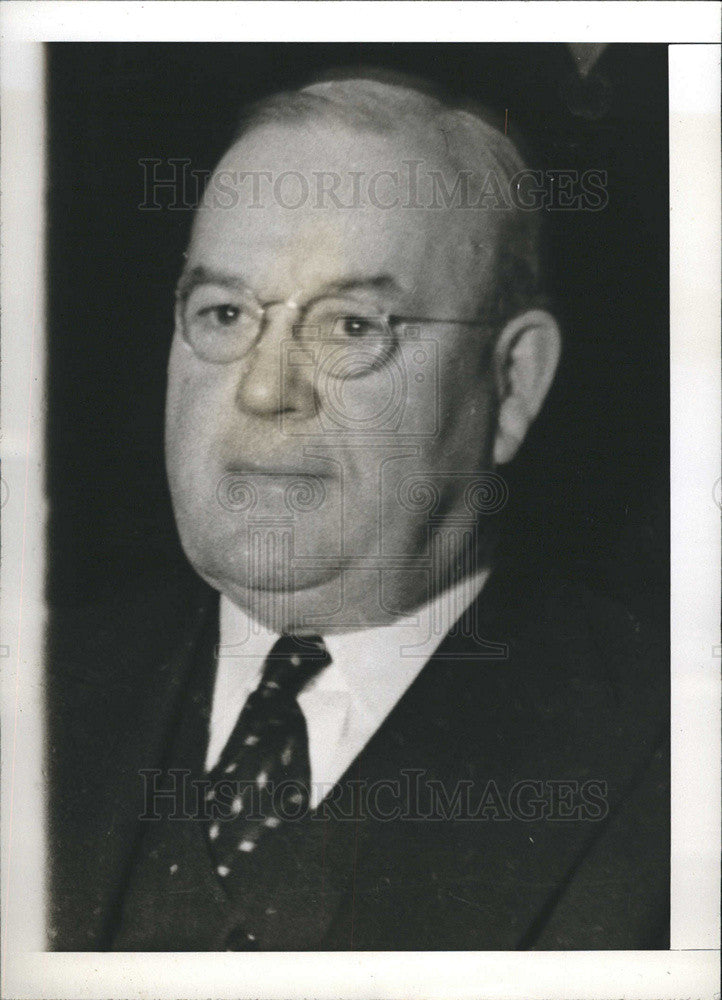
[358, 402]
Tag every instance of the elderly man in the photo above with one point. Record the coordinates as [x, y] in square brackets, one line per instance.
[379, 736]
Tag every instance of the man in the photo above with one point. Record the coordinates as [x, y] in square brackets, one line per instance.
[380, 736]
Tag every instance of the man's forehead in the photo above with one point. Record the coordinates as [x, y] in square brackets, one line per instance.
[299, 204]
[294, 176]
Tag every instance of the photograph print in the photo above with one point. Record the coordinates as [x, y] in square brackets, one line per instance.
[357, 440]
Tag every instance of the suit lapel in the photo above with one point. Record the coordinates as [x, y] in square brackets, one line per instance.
[111, 707]
[496, 732]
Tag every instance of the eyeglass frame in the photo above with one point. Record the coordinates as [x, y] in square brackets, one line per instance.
[389, 319]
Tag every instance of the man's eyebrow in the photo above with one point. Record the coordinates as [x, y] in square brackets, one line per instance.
[208, 276]
[380, 282]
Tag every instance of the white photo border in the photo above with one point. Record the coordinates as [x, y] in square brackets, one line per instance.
[691, 967]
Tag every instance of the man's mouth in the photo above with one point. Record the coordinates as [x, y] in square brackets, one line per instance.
[273, 469]
[245, 484]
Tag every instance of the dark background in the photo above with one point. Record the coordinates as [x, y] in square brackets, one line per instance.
[590, 492]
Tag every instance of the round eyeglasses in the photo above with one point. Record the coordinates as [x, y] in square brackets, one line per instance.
[222, 325]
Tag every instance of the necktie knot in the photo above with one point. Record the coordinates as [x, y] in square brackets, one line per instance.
[292, 662]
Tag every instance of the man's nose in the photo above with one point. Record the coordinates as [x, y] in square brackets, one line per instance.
[269, 385]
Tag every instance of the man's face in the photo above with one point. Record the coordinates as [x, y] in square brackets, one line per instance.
[300, 468]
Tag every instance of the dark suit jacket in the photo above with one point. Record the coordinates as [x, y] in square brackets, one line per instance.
[580, 696]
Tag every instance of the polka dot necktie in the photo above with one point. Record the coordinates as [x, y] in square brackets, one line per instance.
[262, 777]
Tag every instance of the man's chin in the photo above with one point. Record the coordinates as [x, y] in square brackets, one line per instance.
[272, 583]
[270, 600]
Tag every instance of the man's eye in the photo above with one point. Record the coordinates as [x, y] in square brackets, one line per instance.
[224, 315]
[359, 326]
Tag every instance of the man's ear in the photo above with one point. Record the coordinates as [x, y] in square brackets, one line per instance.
[525, 358]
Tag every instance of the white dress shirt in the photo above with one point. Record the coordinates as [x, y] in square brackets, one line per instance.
[349, 699]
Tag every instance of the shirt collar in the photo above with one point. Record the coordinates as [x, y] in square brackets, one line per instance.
[374, 665]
